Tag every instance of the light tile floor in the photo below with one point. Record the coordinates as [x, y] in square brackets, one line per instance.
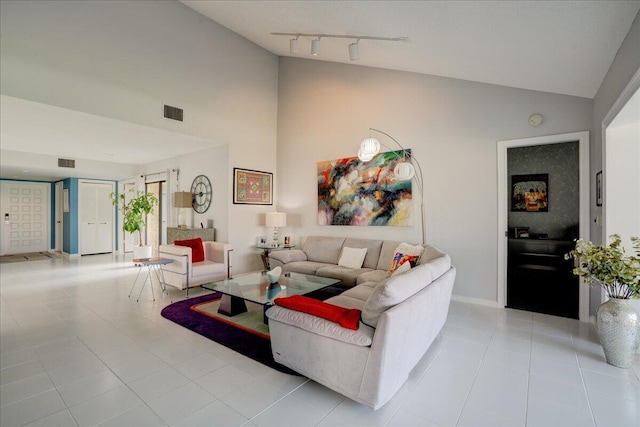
[76, 351]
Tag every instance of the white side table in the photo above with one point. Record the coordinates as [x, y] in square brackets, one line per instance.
[152, 264]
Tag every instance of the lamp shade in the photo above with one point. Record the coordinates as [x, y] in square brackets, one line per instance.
[275, 219]
[404, 171]
[369, 147]
[183, 199]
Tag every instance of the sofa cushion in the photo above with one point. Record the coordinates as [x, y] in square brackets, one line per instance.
[323, 249]
[362, 337]
[387, 251]
[197, 250]
[207, 268]
[287, 256]
[352, 257]
[347, 276]
[376, 276]
[373, 250]
[305, 267]
[394, 290]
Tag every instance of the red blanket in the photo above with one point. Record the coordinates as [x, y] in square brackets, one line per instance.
[346, 317]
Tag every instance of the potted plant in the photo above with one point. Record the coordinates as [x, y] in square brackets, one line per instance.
[617, 320]
[134, 215]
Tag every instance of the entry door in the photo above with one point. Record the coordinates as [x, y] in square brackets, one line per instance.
[24, 217]
[96, 218]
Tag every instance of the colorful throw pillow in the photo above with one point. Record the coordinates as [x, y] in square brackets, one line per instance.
[352, 257]
[346, 317]
[400, 258]
[405, 266]
[197, 250]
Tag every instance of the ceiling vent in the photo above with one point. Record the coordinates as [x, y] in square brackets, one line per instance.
[173, 113]
[66, 163]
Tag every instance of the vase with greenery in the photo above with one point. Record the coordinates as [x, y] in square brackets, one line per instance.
[617, 321]
[135, 211]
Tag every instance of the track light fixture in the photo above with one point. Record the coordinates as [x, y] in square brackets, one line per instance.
[354, 53]
[293, 45]
[315, 47]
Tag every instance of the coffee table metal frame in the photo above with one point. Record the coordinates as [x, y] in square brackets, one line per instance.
[256, 288]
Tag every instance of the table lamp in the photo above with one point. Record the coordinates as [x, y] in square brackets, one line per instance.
[275, 220]
[182, 199]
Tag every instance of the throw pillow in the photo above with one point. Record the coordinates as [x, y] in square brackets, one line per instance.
[352, 257]
[406, 252]
[405, 266]
[400, 258]
[197, 250]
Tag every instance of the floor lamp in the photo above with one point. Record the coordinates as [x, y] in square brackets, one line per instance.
[403, 171]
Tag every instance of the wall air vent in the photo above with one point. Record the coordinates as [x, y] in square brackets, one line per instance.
[173, 113]
[66, 163]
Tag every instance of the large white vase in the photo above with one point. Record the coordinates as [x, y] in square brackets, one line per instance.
[618, 324]
[140, 252]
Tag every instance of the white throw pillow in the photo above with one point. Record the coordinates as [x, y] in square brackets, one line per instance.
[352, 257]
[408, 249]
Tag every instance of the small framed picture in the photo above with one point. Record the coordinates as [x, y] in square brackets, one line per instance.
[522, 232]
[599, 189]
[262, 240]
[287, 240]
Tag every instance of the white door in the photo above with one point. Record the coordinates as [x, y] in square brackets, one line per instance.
[96, 218]
[25, 216]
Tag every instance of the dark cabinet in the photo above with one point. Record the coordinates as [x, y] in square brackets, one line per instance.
[540, 279]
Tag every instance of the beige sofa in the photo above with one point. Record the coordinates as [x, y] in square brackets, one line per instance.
[401, 316]
[183, 273]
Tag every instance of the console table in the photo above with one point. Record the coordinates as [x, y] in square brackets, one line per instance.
[177, 233]
[540, 279]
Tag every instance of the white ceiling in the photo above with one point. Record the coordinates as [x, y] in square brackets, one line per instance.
[562, 47]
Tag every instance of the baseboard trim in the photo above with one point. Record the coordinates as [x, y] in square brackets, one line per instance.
[478, 301]
[70, 256]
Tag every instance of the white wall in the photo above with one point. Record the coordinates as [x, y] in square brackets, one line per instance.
[124, 60]
[452, 126]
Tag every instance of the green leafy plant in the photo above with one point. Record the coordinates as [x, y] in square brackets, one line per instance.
[608, 266]
[134, 212]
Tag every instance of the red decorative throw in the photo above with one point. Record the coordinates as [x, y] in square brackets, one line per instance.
[346, 317]
[197, 250]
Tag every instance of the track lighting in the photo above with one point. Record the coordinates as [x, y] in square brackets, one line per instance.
[354, 53]
[315, 47]
[293, 45]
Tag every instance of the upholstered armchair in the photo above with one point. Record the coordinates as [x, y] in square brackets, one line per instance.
[195, 265]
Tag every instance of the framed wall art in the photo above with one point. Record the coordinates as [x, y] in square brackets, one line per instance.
[599, 189]
[530, 193]
[352, 192]
[252, 187]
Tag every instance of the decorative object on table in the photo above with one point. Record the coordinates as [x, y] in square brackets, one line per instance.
[287, 240]
[202, 193]
[530, 193]
[275, 220]
[618, 322]
[599, 189]
[262, 240]
[274, 275]
[181, 200]
[252, 187]
[134, 214]
[522, 232]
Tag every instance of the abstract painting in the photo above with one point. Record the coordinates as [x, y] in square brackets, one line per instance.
[529, 193]
[252, 187]
[353, 192]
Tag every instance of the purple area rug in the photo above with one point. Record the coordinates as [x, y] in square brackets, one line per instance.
[246, 343]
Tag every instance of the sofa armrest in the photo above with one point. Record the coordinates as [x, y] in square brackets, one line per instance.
[218, 252]
[361, 337]
[181, 256]
[289, 255]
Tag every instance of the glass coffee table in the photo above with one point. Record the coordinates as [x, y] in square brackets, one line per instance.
[255, 288]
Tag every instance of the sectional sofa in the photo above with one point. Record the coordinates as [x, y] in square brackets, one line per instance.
[402, 314]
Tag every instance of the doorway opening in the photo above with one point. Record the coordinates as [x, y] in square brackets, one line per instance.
[156, 234]
[505, 196]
